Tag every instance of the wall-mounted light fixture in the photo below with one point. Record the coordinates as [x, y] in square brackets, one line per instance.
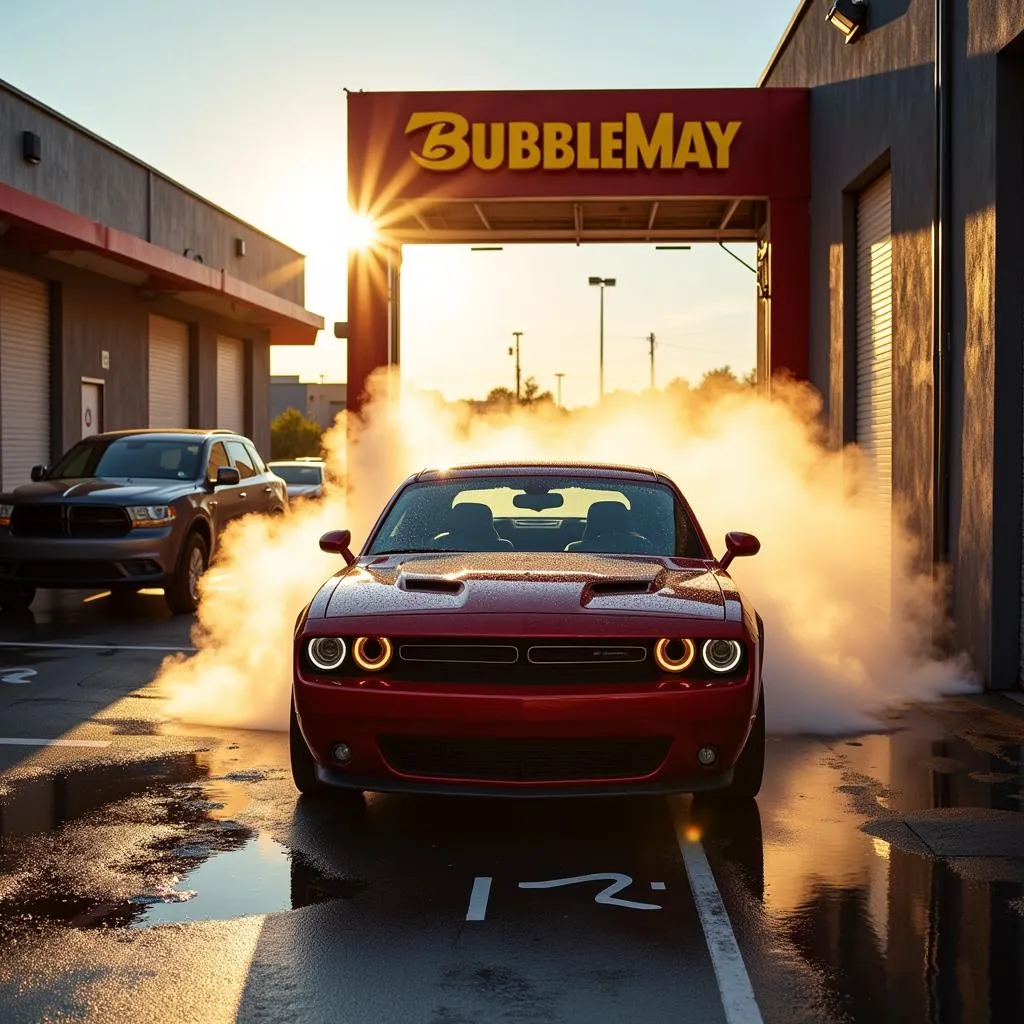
[849, 16]
[31, 148]
[341, 328]
[239, 246]
[191, 254]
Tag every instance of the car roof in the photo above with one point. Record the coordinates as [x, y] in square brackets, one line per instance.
[167, 432]
[581, 469]
[297, 462]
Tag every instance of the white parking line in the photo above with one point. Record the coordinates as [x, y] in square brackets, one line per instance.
[734, 986]
[94, 647]
[17, 741]
[478, 899]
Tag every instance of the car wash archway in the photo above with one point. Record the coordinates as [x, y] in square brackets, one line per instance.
[476, 168]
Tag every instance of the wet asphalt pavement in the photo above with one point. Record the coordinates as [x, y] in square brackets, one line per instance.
[155, 872]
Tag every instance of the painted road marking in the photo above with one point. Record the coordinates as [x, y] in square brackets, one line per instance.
[734, 986]
[16, 676]
[95, 647]
[478, 899]
[17, 741]
[606, 895]
[657, 885]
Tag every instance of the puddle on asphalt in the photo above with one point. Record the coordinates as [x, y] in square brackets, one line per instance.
[143, 845]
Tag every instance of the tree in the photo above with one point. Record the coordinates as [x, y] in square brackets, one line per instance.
[532, 393]
[500, 396]
[293, 435]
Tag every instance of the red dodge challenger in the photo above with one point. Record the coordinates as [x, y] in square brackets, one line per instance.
[531, 630]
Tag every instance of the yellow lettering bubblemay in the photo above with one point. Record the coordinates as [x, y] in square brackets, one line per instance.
[451, 143]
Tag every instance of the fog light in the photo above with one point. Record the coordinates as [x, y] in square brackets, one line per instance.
[707, 756]
[342, 753]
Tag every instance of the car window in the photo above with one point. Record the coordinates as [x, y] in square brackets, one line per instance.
[140, 457]
[241, 459]
[309, 475]
[218, 460]
[612, 516]
[255, 457]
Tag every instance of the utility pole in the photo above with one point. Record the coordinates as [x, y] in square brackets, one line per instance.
[559, 376]
[650, 341]
[517, 335]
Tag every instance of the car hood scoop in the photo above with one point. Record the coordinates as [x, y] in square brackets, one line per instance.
[525, 582]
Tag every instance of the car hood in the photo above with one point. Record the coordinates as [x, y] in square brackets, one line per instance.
[303, 490]
[103, 491]
[546, 584]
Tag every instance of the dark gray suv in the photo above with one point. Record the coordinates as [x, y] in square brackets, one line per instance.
[131, 509]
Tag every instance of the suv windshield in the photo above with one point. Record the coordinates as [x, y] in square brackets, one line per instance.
[298, 474]
[539, 513]
[140, 458]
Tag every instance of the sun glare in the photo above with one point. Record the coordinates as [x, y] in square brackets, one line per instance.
[360, 231]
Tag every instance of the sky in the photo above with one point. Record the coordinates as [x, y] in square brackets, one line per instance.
[243, 102]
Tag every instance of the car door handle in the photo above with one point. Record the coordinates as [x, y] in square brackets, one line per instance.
[268, 489]
[241, 497]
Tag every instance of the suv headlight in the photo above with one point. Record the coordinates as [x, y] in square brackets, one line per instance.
[6, 511]
[150, 515]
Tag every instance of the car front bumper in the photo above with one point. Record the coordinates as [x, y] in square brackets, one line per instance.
[145, 557]
[375, 721]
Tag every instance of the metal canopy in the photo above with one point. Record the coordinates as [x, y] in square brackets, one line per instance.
[704, 219]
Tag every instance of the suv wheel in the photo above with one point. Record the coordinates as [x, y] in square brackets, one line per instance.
[182, 595]
[16, 597]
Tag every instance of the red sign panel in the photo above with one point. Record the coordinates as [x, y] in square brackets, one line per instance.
[571, 144]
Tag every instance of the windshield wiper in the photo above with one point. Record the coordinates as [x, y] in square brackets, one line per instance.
[418, 551]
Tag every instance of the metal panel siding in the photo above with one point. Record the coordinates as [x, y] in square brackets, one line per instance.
[230, 384]
[168, 373]
[24, 376]
[874, 351]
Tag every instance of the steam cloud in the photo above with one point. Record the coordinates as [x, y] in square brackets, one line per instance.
[833, 664]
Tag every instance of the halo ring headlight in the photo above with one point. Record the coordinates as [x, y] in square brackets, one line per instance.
[326, 652]
[669, 660]
[372, 653]
[721, 655]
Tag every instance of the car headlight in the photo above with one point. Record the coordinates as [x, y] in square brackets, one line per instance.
[6, 511]
[150, 515]
[722, 655]
[674, 655]
[326, 652]
[372, 653]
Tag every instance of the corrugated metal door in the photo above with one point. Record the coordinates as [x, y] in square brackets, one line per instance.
[874, 357]
[168, 373]
[230, 384]
[24, 376]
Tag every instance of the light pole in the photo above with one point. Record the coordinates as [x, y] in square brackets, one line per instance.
[559, 377]
[602, 283]
[517, 335]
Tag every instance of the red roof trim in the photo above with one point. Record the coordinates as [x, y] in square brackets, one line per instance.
[289, 323]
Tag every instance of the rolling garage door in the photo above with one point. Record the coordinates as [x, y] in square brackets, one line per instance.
[168, 373]
[874, 358]
[24, 376]
[230, 384]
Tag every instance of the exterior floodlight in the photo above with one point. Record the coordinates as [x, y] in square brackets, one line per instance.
[595, 280]
[849, 17]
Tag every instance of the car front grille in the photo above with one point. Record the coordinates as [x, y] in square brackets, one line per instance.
[83, 522]
[526, 760]
[524, 661]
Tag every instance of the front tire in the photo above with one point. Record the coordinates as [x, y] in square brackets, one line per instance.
[182, 595]
[16, 597]
[748, 772]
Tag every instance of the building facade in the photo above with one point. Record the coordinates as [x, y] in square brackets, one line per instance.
[320, 402]
[125, 299]
[917, 264]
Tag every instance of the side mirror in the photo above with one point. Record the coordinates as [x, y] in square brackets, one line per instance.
[337, 543]
[228, 476]
[739, 545]
[38, 473]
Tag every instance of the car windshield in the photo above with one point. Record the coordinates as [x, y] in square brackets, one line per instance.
[298, 474]
[542, 513]
[140, 458]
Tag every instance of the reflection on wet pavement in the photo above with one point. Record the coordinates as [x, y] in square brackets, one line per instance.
[139, 845]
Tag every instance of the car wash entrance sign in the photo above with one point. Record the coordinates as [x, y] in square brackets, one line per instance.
[730, 165]
[452, 142]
